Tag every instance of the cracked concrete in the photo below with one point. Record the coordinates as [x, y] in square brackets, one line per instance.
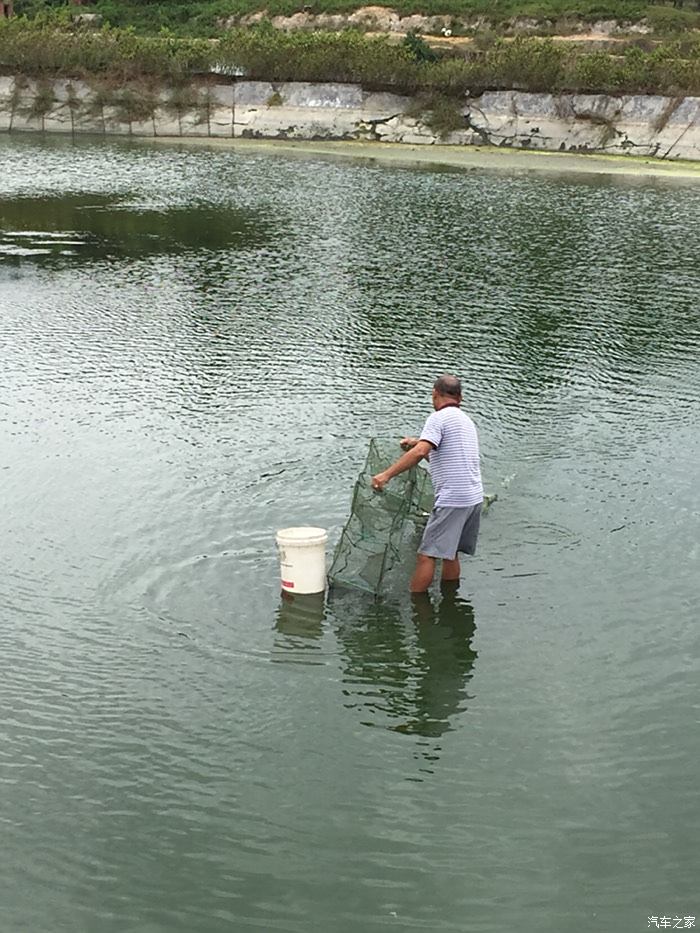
[646, 125]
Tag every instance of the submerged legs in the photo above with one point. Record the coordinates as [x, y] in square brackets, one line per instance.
[450, 570]
[425, 570]
[423, 574]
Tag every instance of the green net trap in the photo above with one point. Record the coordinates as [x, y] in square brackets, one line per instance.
[382, 526]
[373, 536]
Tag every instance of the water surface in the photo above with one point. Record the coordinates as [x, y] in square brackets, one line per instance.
[196, 346]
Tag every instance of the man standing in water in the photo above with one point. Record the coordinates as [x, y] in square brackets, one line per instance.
[449, 440]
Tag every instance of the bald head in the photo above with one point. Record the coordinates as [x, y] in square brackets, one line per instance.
[448, 386]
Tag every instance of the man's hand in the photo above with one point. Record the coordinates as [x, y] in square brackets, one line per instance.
[412, 456]
[407, 442]
[379, 481]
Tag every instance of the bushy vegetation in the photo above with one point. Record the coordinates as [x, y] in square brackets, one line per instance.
[670, 21]
[45, 48]
[49, 46]
[443, 114]
[204, 18]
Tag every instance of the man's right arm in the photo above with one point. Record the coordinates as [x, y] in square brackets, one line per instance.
[405, 462]
[406, 443]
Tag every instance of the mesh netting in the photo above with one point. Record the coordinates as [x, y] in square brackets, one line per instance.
[383, 528]
[374, 535]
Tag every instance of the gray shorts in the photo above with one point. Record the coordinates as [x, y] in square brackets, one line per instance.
[450, 530]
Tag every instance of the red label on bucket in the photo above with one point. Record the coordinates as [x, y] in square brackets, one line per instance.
[288, 584]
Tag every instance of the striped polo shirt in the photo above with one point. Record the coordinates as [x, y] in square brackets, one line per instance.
[454, 463]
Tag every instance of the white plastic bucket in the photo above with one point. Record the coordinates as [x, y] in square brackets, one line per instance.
[303, 559]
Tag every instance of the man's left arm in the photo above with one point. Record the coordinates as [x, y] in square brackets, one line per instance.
[405, 462]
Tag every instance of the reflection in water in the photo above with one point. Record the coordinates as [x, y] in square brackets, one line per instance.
[100, 226]
[410, 676]
[445, 660]
[300, 627]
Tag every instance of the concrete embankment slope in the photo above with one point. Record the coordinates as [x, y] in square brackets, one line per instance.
[656, 126]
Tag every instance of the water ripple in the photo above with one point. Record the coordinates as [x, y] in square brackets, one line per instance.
[185, 750]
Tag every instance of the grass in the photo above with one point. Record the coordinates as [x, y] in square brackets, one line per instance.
[204, 18]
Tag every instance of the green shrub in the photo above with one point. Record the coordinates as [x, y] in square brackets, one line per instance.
[595, 72]
[485, 39]
[269, 55]
[183, 99]
[134, 104]
[675, 75]
[204, 18]
[441, 113]
[667, 20]
[188, 99]
[52, 48]
[100, 98]
[418, 48]
[531, 64]
[635, 70]
[42, 102]
[452, 76]
[119, 57]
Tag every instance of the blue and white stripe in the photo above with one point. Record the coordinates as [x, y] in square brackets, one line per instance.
[454, 463]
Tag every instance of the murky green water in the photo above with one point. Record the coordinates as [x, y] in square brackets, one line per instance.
[196, 346]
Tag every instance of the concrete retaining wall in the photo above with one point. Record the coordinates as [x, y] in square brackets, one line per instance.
[641, 125]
